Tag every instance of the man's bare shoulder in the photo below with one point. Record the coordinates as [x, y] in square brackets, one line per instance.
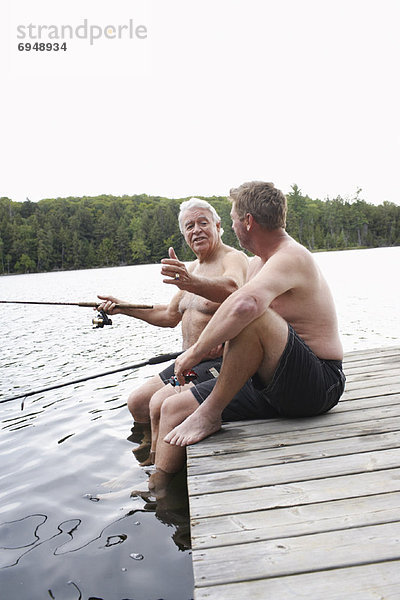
[192, 265]
[286, 266]
[234, 254]
[255, 265]
[292, 252]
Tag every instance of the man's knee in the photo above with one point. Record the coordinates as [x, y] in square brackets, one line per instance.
[157, 400]
[178, 406]
[270, 329]
[139, 399]
[135, 398]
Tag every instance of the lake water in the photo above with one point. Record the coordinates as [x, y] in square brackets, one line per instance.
[70, 446]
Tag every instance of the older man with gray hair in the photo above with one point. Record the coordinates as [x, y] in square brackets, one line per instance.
[202, 286]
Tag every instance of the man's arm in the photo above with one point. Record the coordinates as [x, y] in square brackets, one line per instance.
[162, 315]
[280, 273]
[214, 288]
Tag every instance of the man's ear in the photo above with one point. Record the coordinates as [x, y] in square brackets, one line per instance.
[249, 221]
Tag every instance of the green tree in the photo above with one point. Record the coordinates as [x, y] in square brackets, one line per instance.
[74, 233]
[107, 252]
[25, 264]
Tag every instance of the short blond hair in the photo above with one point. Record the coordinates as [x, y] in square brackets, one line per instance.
[263, 200]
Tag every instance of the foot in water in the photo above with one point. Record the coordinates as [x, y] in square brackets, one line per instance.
[150, 460]
[141, 435]
[158, 485]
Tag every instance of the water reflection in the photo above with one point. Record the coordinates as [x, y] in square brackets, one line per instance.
[67, 442]
[173, 508]
[33, 534]
[24, 536]
[20, 533]
[65, 529]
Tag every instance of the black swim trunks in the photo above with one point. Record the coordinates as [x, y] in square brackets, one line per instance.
[206, 370]
[303, 385]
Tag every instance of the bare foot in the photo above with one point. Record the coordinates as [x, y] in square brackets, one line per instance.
[159, 482]
[150, 460]
[193, 429]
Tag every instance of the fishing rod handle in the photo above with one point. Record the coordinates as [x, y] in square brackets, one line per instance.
[123, 305]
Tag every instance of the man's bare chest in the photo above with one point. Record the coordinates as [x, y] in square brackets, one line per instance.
[193, 303]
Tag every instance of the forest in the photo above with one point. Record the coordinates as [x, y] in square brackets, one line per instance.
[80, 233]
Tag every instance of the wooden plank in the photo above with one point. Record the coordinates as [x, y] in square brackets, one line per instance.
[371, 363]
[269, 434]
[242, 528]
[300, 554]
[367, 374]
[339, 415]
[376, 390]
[379, 581]
[320, 468]
[303, 492]
[366, 383]
[370, 366]
[285, 522]
[295, 453]
[378, 367]
[371, 354]
[363, 403]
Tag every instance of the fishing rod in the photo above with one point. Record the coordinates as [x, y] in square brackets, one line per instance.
[151, 361]
[84, 304]
[99, 321]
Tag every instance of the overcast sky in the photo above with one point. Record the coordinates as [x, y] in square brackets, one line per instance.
[220, 92]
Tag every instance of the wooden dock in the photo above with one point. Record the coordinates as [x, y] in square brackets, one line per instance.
[310, 508]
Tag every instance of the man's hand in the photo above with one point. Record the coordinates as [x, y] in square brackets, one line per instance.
[109, 305]
[185, 362]
[175, 270]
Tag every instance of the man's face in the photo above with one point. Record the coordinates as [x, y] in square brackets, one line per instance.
[200, 231]
[239, 227]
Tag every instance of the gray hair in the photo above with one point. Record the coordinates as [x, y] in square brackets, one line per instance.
[197, 203]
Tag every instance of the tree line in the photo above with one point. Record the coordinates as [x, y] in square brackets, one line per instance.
[77, 233]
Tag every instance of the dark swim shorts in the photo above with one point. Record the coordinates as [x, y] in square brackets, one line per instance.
[206, 370]
[303, 385]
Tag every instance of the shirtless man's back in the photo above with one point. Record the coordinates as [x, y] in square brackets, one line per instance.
[308, 305]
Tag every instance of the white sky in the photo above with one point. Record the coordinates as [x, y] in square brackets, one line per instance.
[220, 92]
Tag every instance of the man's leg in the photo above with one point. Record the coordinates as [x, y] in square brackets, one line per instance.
[156, 403]
[169, 459]
[262, 343]
[139, 399]
[138, 404]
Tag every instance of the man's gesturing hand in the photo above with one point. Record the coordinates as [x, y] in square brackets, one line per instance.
[175, 270]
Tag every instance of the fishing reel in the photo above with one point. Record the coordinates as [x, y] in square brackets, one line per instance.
[101, 319]
[190, 376]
